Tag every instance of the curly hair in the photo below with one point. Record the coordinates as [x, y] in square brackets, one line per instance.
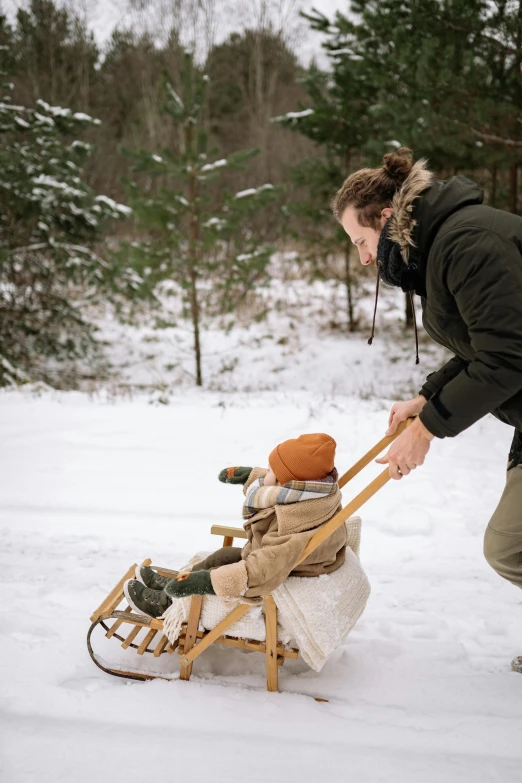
[369, 191]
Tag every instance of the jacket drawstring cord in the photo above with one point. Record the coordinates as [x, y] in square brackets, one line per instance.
[415, 325]
[370, 341]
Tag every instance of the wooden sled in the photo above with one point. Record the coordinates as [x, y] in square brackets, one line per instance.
[192, 642]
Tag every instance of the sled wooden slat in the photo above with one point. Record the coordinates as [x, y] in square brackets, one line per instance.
[165, 571]
[138, 619]
[130, 638]
[116, 624]
[235, 615]
[160, 646]
[115, 596]
[191, 635]
[147, 640]
[271, 644]
[183, 636]
[228, 532]
[243, 644]
[252, 645]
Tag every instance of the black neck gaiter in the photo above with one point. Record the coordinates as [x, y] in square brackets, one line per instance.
[389, 259]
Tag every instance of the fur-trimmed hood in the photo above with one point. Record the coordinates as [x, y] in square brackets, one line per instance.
[402, 222]
[422, 205]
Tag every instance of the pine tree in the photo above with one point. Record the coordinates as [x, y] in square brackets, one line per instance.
[197, 232]
[444, 78]
[338, 118]
[50, 224]
[450, 76]
[56, 53]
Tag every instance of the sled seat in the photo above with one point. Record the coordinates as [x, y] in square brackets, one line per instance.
[146, 634]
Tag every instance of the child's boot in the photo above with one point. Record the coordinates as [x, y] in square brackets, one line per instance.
[151, 578]
[144, 600]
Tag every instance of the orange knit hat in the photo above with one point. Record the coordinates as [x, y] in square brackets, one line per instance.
[304, 458]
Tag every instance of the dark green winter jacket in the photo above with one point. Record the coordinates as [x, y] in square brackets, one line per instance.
[465, 262]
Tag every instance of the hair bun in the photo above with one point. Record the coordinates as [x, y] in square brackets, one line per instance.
[398, 164]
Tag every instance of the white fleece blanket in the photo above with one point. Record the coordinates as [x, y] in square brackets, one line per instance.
[317, 612]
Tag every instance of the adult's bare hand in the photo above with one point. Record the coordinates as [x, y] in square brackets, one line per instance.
[408, 451]
[404, 410]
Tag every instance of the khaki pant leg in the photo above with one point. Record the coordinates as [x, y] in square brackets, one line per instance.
[224, 556]
[503, 538]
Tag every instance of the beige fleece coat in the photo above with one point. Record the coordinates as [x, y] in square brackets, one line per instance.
[277, 538]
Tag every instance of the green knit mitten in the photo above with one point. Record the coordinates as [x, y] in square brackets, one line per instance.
[235, 475]
[197, 583]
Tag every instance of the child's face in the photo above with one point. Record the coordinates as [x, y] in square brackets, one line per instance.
[270, 479]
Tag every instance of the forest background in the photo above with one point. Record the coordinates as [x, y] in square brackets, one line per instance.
[167, 174]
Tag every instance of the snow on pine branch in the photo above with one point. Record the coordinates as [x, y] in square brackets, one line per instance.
[59, 111]
[211, 166]
[114, 205]
[293, 116]
[249, 256]
[253, 191]
[82, 117]
[11, 107]
[214, 222]
[51, 182]
[67, 246]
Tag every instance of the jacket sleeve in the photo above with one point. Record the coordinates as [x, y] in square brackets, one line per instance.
[436, 380]
[262, 570]
[269, 567]
[483, 272]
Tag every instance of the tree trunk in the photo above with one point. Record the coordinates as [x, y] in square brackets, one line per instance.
[493, 196]
[513, 169]
[348, 282]
[194, 306]
[513, 188]
[347, 267]
[193, 237]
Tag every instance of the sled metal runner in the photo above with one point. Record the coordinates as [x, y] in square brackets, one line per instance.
[192, 642]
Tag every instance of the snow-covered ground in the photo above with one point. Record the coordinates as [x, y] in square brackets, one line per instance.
[289, 336]
[422, 688]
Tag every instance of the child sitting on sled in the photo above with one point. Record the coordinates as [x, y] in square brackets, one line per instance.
[284, 506]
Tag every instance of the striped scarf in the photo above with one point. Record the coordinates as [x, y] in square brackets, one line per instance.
[259, 497]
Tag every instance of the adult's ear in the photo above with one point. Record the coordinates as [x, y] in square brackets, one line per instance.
[386, 213]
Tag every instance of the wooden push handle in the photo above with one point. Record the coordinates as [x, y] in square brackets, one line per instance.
[360, 499]
[374, 452]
